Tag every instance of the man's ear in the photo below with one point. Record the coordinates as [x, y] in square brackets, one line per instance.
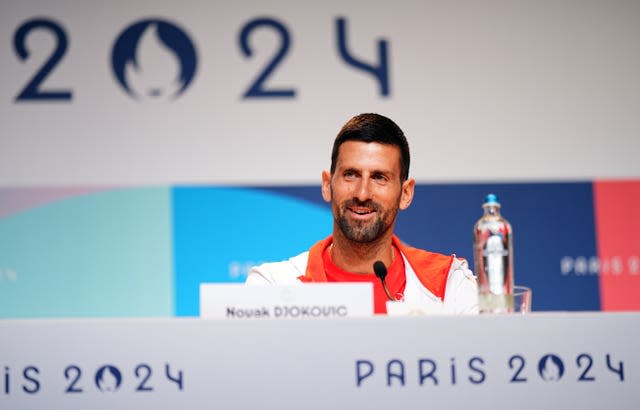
[326, 186]
[408, 187]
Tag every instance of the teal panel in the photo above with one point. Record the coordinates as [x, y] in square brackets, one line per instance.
[103, 254]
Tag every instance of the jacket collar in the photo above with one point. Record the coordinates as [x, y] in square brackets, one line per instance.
[432, 269]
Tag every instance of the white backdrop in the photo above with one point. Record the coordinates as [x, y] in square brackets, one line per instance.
[486, 91]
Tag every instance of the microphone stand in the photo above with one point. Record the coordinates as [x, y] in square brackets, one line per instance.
[381, 272]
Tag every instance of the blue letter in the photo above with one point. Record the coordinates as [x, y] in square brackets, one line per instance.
[35, 382]
[476, 369]
[359, 375]
[429, 375]
[390, 374]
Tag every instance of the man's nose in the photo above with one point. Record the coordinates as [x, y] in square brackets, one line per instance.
[363, 190]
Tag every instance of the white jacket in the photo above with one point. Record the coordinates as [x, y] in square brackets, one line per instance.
[460, 297]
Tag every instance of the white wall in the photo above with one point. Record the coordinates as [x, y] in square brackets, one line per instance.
[485, 91]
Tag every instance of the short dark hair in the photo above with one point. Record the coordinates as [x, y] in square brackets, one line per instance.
[371, 127]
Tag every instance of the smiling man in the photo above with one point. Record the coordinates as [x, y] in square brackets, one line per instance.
[367, 185]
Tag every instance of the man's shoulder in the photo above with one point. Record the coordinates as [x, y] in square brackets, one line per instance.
[422, 259]
[437, 264]
[435, 271]
[279, 273]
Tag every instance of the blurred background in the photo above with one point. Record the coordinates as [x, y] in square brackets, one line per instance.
[148, 146]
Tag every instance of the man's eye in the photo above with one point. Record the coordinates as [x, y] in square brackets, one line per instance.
[379, 177]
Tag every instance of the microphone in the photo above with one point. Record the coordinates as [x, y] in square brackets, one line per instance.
[381, 272]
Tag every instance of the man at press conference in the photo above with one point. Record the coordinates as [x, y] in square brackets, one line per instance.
[368, 183]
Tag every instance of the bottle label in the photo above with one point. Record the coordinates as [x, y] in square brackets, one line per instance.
[495, 257]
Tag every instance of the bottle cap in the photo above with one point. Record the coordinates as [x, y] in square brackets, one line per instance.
[491, 199]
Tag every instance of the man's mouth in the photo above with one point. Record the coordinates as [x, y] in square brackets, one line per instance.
[361, 211]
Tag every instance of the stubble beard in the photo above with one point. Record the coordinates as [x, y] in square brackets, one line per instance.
[363, 231]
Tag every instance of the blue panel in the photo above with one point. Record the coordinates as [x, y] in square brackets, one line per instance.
[220, 232]
[549, 221]
[309, 193]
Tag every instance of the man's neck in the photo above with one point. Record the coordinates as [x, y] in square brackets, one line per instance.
[358, 257]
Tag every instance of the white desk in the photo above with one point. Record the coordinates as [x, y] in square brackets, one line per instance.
[428, 363]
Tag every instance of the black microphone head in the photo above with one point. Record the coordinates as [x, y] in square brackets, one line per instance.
[380, 270]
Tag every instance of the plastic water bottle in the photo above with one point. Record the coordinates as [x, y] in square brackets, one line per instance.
[493, 258]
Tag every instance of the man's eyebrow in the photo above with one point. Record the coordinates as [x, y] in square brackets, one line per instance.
[387, 172]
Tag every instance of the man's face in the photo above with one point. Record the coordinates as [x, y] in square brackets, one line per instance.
[365, 190]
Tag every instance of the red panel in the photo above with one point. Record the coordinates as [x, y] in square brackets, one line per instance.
[617, 209]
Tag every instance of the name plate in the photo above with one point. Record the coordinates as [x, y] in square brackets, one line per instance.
[309, 301]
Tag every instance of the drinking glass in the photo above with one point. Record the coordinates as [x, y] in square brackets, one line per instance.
[521, 299]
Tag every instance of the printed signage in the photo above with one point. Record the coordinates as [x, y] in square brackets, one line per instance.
[312, 301]
[537, 361]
